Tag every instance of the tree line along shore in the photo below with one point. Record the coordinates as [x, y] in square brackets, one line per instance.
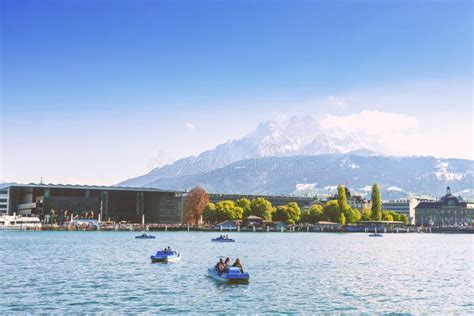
[199, 211]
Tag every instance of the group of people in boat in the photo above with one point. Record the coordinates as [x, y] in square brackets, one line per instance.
[167, 250]
[222, 265]
[224, 237]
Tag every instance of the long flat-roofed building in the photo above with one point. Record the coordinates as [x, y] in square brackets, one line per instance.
[448, 211]
[114, 203]
[403, 206]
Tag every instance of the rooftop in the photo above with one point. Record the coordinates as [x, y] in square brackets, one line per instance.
[85, 187]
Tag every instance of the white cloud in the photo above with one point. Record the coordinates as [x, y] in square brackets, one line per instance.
[373, 122]
[190, 126]
[337, 102]
[401, 134]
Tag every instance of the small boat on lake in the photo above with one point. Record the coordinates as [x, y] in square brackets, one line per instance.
[223, 238]
[231, 275]
[145, 236]
[166, 255]
[375, 235]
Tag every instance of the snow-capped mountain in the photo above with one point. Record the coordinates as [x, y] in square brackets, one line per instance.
[398, 177]
[295, 136]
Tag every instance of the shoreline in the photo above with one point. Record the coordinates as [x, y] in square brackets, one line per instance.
[412, 230]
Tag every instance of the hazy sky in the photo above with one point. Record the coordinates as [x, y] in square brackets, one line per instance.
[99, 91]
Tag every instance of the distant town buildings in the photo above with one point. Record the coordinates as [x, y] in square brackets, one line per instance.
[403, 206]
[448, 211]
[355, 201]
[59, 203]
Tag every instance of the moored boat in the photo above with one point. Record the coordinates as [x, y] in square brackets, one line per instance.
[18, 222]
[165, 256]
[231, 275]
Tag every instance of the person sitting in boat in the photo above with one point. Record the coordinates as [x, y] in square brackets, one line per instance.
[238, 265]
[226, 262]
[165, 250]
[217, 264]
[220, 266]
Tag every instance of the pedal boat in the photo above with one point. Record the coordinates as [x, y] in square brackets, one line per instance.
[231, 275]
[219, 239]
[165, 257]
[375, 235]
[145, 236]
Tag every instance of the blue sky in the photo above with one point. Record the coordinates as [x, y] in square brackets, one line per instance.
[94, 91]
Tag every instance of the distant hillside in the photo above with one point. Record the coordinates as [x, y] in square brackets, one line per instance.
[320, 174]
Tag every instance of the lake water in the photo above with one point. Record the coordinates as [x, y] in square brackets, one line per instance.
[291, 272]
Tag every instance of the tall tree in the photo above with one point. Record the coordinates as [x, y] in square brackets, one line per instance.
[376, 203]
[342, 219]
[194, 204]
[341, 197]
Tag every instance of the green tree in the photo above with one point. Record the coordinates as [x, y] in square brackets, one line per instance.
[209, 213]
[404, 219]
[386, 216]
[396, 216]
[294, 213]
[226, 210]
[244, 203]
[342, 219]
[332, 211]
[313, 215]
[262, 208]
[376, 203]
[281, 214]
[341, 197]
[352, 215]
[366, 214]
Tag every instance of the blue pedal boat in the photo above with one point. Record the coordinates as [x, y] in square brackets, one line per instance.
[168, 256]
[231, 275]
[220, 239]
[145, 236]
[375, 235]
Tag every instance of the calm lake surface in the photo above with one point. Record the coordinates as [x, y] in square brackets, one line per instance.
[44, 272]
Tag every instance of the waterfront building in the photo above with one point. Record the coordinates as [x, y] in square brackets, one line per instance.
[448, 211]
[228, 225]
[323, 226]
[3, 201]
[403, 206]
[59, 203]
[253, 220]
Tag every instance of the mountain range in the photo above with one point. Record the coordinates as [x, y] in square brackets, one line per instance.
[301, 157]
